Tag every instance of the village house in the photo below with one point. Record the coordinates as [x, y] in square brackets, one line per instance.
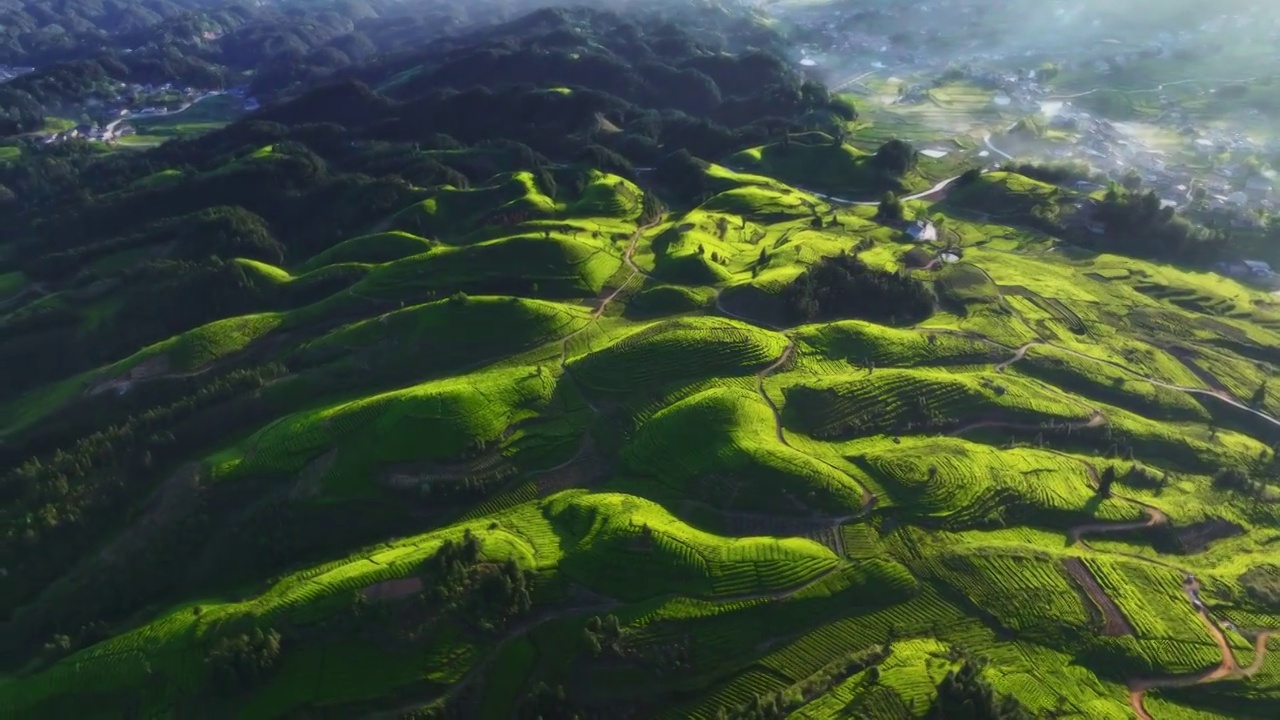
[1245, 268]
[922, 231]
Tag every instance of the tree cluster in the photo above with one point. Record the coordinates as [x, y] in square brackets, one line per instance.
[488, 596]
[1137, 226]
[783, 703]
[964, 695]
[241, 662]
[1262, 585]
[843, 286]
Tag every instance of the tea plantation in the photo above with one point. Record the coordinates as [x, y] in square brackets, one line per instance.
[578, 456]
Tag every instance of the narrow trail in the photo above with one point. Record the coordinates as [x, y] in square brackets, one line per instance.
[869, 498]
[1218, 395]
[938, 188]
[1096, 419]
[1140, 91]
[1228, 669]
[760, 378]
[607, 299]
[849, 82]
[1154, 517]
[986, 141]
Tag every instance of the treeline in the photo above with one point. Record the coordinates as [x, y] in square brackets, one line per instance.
[964, 695]
[843, 286]
[1135, 224]
[282, 48]
[58, 506]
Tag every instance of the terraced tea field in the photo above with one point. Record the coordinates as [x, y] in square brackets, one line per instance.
[579, 440]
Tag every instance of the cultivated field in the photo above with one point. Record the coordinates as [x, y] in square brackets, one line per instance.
[699, 504]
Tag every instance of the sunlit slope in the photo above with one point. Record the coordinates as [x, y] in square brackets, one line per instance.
[520, 436]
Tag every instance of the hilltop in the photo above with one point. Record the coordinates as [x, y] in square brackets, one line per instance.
[390, 401]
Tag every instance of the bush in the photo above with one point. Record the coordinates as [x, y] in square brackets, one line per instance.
[1233, 479]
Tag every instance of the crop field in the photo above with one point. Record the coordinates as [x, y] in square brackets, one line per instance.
[677, 349]
[515, 435]
[969, 484]
[893, 400]
[208, 114]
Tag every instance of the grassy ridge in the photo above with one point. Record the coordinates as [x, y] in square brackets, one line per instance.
[754, 507]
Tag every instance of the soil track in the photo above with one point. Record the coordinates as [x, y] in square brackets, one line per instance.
[1114, 623]
[760, 378]
[607, 299]
[1021, 353]
[1228, 669]
[1096, 419]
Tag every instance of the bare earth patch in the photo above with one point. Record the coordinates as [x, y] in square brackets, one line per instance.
[393, 589]
[145, 370]
[1114, 623]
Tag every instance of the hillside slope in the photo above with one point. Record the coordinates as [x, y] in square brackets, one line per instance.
[361, 427]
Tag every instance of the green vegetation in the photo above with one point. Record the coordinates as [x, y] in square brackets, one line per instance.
[201, 117]
[397, 401]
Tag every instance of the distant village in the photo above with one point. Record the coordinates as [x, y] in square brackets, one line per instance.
[1236, 190]
[117, 114]
[9, 72]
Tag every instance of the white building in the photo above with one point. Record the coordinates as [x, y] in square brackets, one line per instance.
[922, 231]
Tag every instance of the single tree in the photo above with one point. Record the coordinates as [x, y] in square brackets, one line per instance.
[1106, 480]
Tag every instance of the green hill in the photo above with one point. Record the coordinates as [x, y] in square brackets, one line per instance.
[508, 403]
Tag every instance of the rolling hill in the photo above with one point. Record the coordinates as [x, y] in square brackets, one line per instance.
[580, 437]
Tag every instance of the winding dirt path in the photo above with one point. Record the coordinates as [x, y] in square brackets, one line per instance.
[986, 141]
[607, 299]
[1228, 669]
[1155, 517]
[1157, 88]
[760, 378]
[936, 189]
[1096, 419]
[1218, 395]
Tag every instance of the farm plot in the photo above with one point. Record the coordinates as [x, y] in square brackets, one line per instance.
[1109, 383]
[1052, 307]
[966, 482]
[1027, 591]
[925, 614]
[1113, 621]
[1153, 598]
[684, 348]
[454, 415]
[620, 538]
[558, 266]
[460, 329]
[899, 400]
[861, 343]
[730, 434]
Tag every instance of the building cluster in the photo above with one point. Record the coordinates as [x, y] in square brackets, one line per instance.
[9, 72]
[117, 114]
